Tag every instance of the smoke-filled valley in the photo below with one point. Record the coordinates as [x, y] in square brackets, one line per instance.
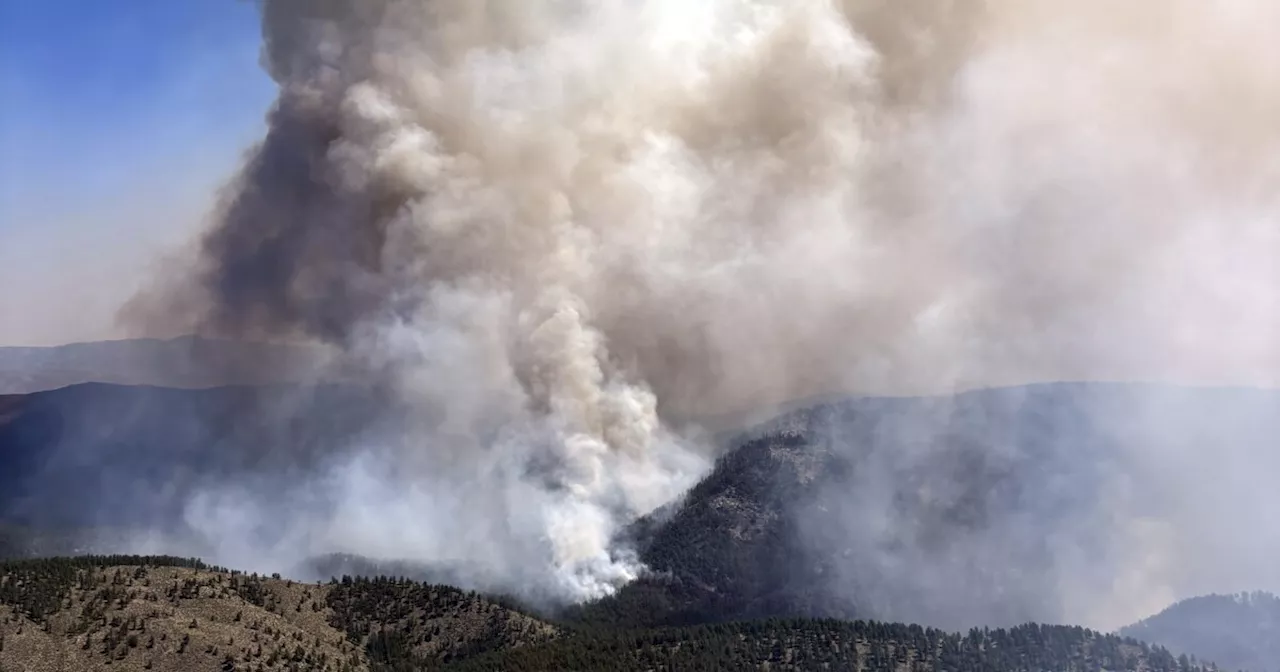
[756, 304]
[1061, 503]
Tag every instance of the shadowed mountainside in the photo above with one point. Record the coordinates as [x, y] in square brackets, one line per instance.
[99, 455]
[994, 507]
[1238, 632]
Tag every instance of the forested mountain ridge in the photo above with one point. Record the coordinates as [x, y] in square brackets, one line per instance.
[974, 509]
[815, 644]
[1238, 632]
[156, 613]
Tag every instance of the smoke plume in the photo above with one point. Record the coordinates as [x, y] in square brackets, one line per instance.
[565, 234]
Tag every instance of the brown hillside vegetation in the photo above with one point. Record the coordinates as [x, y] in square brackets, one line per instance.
[71, 614]
[135, 613]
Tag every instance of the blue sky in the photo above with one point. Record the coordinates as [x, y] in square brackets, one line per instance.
[117, 121]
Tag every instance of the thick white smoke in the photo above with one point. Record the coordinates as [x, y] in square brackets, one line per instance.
[564, 232]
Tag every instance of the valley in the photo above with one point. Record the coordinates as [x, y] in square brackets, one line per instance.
[742, 571]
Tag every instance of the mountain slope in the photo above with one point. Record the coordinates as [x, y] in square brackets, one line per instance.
[1238, 632]
[172, 614]
[133, 613]
[150, 614]
[995, 507]
[807, 644]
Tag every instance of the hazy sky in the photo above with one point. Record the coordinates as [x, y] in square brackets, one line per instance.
[118, 121]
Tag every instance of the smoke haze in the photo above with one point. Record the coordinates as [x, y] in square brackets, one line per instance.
[565, 235]
[1061, 503]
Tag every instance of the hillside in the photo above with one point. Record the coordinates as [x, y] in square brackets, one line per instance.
[132, 613]
[809, 644]
[951, 512]
[1238, 632]
[135, 613]
[186, 362]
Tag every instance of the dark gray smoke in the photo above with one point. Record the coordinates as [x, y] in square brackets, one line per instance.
[566, 232]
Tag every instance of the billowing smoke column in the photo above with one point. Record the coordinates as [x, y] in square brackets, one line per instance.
[565, 232]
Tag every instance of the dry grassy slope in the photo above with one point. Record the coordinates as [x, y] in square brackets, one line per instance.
[172, 618]
[128, 613]
[178, 619]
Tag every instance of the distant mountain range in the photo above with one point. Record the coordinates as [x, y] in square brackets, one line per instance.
[94, 455]
[186, 362]
[1238, 632]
